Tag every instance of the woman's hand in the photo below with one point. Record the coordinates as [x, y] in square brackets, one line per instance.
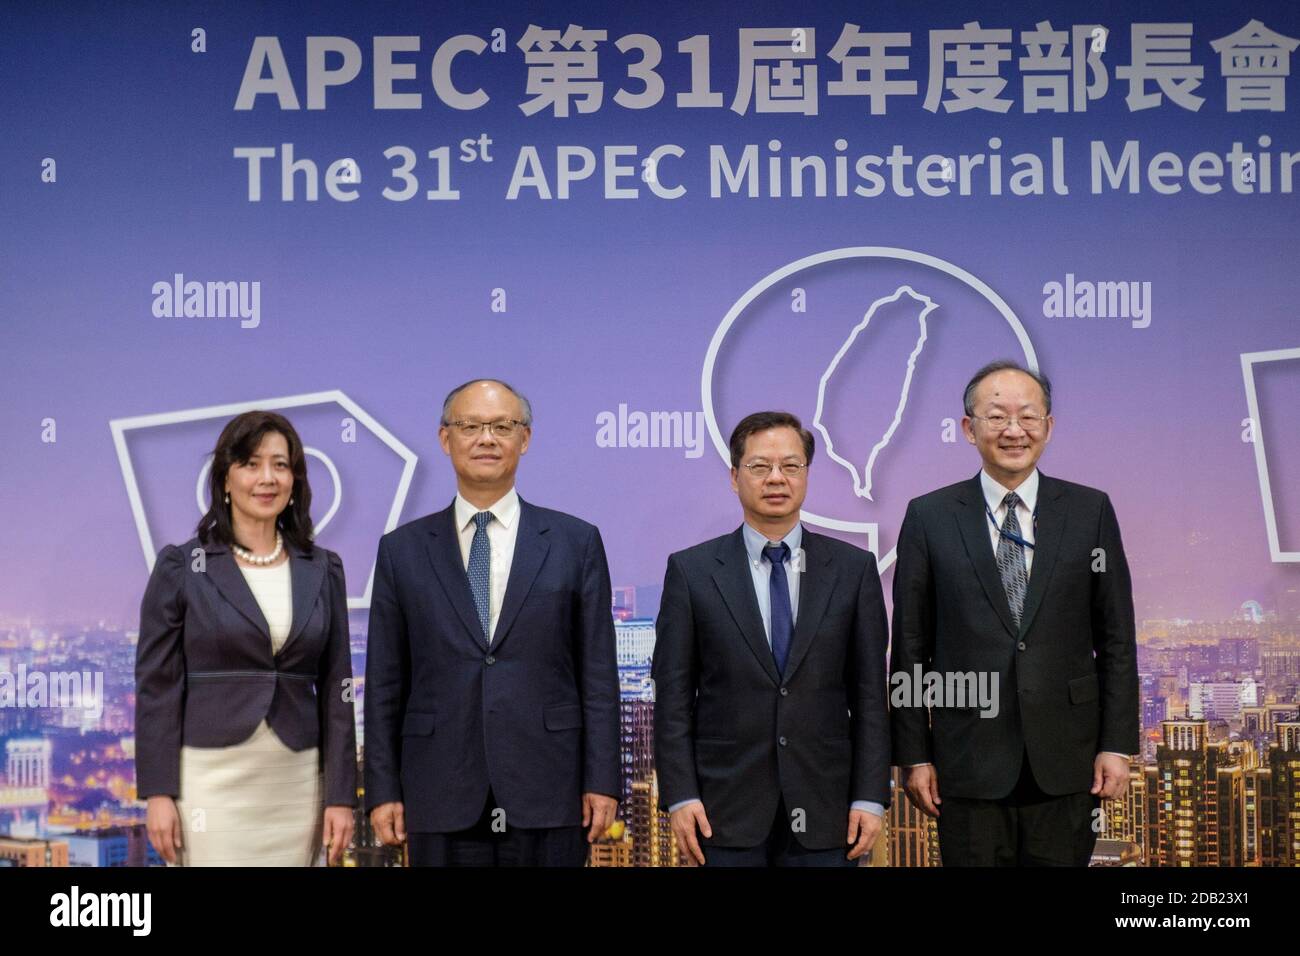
[337, 832]
[163, 823]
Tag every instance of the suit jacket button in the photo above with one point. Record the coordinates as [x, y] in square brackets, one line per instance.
[781, 741]
[490, 659]
[785, 692]
[1020, 646]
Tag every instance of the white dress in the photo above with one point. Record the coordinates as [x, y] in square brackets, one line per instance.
[254, 803]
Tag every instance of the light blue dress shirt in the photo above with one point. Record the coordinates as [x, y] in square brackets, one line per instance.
[761, 572]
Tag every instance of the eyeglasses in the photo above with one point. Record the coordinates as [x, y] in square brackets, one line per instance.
[505, 428]
[761, 469]
[1000, 423]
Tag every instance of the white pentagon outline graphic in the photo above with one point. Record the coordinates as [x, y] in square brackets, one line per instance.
[1248, 362]
[870, 528]
[120, 426]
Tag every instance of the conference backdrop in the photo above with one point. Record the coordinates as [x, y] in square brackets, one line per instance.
[653, 219]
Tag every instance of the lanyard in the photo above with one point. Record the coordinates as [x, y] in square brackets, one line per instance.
[1007, 534]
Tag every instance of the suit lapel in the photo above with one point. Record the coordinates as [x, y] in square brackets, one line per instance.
[225, 574]
[974, 523]
[306, 575]
[530, 551]
[816, 583]
[1053, 507]
[736, 585]
[443, 546]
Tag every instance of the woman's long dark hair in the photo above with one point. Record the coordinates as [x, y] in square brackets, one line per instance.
[237, 443]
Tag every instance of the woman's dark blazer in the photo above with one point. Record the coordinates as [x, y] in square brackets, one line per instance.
[205, 675]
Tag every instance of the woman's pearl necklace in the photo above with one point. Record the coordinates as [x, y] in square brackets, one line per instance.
[265, 559]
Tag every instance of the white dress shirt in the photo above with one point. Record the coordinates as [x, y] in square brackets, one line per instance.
[502, 531]
[993, 495]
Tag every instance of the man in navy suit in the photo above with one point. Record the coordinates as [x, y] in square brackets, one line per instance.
[491, 698]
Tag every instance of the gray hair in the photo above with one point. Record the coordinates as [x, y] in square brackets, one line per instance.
[1003, 365]
[451, 397]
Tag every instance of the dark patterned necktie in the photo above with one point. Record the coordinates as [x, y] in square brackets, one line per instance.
[782, 615]
[480, 571]
[1011, 558]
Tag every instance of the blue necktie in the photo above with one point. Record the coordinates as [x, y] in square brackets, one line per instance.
[480, 571]
[782, 616]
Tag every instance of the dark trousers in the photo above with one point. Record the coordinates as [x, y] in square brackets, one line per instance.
[486, 845]
[1025, 828]
[781, 848]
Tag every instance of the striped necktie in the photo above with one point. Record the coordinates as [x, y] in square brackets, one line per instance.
[1011, 558]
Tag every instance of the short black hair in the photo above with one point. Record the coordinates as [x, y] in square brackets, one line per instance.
[761, 422]
[1004, 365]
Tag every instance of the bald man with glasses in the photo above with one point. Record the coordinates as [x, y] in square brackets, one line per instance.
[491, 699]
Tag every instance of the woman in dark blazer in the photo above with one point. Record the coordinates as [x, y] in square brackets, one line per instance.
[245, 736]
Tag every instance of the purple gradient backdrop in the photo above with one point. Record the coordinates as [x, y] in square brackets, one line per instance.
[609, 301]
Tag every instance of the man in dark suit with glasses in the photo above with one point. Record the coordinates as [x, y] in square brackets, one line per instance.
[771, 725]
[1015, 575]
[491, 696]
